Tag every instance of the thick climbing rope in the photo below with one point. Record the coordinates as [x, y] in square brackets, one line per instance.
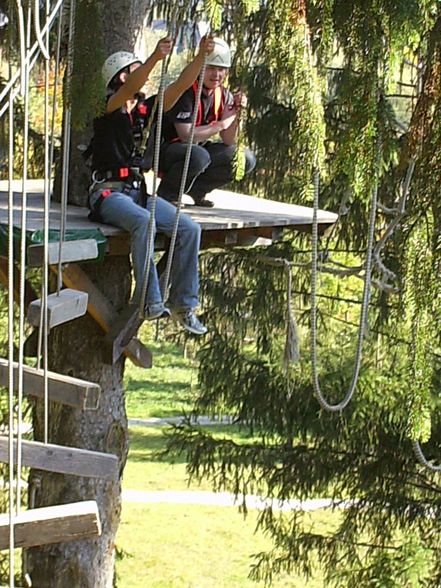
[190, 140]
[365, 300]
[154, 197]
[419, 453]
[159, 107]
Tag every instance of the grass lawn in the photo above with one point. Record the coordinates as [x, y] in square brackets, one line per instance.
[175, 545]
[166, 389]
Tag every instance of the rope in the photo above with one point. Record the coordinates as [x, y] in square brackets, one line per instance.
[154, 198]
[165, 283]
[158, 111]
[292, 353]
[417, 449]
[66, 142]
[366, 296]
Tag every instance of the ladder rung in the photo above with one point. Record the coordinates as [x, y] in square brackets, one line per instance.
[63, 389]
[52, 524]
[62, 308]
[80, 250]
[63, 460]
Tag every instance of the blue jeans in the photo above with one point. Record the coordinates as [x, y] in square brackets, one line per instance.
[122, 210]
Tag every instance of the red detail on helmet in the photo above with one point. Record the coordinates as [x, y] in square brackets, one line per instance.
[106, 193]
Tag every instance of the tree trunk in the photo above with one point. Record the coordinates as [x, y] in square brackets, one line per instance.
[75, 350]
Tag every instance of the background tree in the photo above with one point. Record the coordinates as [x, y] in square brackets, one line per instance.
[388, 534]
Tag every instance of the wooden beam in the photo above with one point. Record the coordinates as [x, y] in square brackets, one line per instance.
[52, 524]
[79, 250]
[63, 389]
[102, 312]
[63, 460]
[121, 333]
[63, 307]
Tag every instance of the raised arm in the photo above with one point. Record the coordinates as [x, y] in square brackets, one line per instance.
[137, 78]
[188, 75]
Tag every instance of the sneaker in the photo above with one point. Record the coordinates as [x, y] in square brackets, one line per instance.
[190, 322]
[156, 311]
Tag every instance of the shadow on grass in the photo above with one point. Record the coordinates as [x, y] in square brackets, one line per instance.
[153, 386]
[148, 444]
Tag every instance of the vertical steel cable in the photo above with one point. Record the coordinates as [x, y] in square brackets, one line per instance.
[23, 255]
[66, 140]
[11, 317]
[29, 59]
[165, 283]
[43, 331]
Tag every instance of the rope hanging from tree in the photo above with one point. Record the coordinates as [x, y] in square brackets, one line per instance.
[158, 111]
[190, 140]
[366, 294]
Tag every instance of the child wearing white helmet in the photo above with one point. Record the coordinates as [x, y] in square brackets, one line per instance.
[211, 162]
[117, 193]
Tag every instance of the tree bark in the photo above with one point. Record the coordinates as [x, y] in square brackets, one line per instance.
[75, 350]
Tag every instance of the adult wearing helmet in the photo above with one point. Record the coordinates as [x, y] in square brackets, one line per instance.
[118, 188]
[211, 162]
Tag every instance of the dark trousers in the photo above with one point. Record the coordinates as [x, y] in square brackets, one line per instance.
[211, 166]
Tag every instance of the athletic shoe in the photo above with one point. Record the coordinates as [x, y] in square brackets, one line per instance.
[190, 322]
[156, 311]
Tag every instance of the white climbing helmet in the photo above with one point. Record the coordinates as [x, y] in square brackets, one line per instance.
[221, 54]
[115, 63]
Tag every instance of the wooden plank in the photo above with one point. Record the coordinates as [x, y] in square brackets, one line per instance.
[64, 460]
[79, 250]
[122, 331]
[102, 312]
[63, 307]
[138, 353]
[52, 524]
[62, 389]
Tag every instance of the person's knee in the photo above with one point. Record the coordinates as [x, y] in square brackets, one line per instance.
[141, 221]
[190, 228]
[199, 160]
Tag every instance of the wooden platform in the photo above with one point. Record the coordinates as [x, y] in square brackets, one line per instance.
[236, 219]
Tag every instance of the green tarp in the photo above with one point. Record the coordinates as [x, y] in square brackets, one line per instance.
[37, 237]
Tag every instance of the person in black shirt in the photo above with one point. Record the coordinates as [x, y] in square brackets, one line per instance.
[211, 163]
[116, 194]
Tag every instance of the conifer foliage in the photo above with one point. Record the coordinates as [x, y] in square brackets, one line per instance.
[352, 88]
